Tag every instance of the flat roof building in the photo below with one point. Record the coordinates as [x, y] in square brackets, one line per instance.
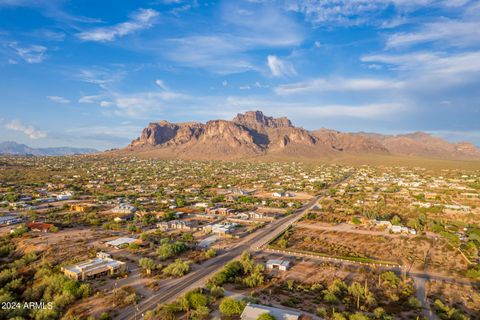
[282, 265]
[102, 265]
[253, 311]
[120, 242]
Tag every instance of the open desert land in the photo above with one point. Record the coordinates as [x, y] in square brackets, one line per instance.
[177, 228]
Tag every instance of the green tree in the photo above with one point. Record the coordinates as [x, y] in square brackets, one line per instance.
[200, 313]
[147, 265]
[414, 303]
[321, 312]
[247, 262]
[256, 277]
[216, 291]
[193, 300]
[231, 307]
[210, 253]
[177, 269]
[390, 279]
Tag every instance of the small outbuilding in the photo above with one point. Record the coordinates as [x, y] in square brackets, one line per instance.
[120, 242]
[281, 265]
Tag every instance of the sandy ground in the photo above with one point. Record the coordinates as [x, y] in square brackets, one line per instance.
[422, 253]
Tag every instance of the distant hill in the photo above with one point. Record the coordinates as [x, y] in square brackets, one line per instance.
[253, 134]
[13, 148]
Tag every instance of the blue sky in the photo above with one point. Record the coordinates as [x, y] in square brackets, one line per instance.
[94, 73]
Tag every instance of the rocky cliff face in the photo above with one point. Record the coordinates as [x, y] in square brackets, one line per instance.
[258, 121]
[253, 134]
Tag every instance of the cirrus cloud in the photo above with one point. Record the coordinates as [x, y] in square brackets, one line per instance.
[280, 67]
[58, 99]
[141, 19]
[338, 84]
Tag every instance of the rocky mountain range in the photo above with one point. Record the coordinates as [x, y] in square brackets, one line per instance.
[253, 134]
[13, 148]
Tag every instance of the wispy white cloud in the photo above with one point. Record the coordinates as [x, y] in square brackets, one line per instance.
[161, 84]
[280, 67]
[448, 32]
[338, 84]
[58, 99]
[431, 63]
[30, 54]
[106, 104]
[260, 85]
[90, 99]
[100, 99]
[341, 12]
[139, 20]
[103, 77]
[28, 130]
[345, 13]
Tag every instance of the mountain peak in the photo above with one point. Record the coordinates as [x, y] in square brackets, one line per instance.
[256, 119]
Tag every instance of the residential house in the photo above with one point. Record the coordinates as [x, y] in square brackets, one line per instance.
[124, 208]
[176, 225]
[221, 228]
[102, 265]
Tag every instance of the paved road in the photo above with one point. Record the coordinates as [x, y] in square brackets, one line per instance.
[422, 297]
[174, 288]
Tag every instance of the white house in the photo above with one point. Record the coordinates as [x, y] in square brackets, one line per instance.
[64, 196]
[253, 311]
[281, 265]
[124, 208]
[120, 242]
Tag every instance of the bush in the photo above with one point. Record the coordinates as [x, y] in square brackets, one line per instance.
[177, 269]
[266, 316]
[414, 303]
[321, 312]
[104, 316]
[358, 316]
[193, 300]
[330, 298]
[231, 307]
[168, 250]
[210, 253]
[216, 291]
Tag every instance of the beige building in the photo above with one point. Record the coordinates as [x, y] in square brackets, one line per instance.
[102, 265]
